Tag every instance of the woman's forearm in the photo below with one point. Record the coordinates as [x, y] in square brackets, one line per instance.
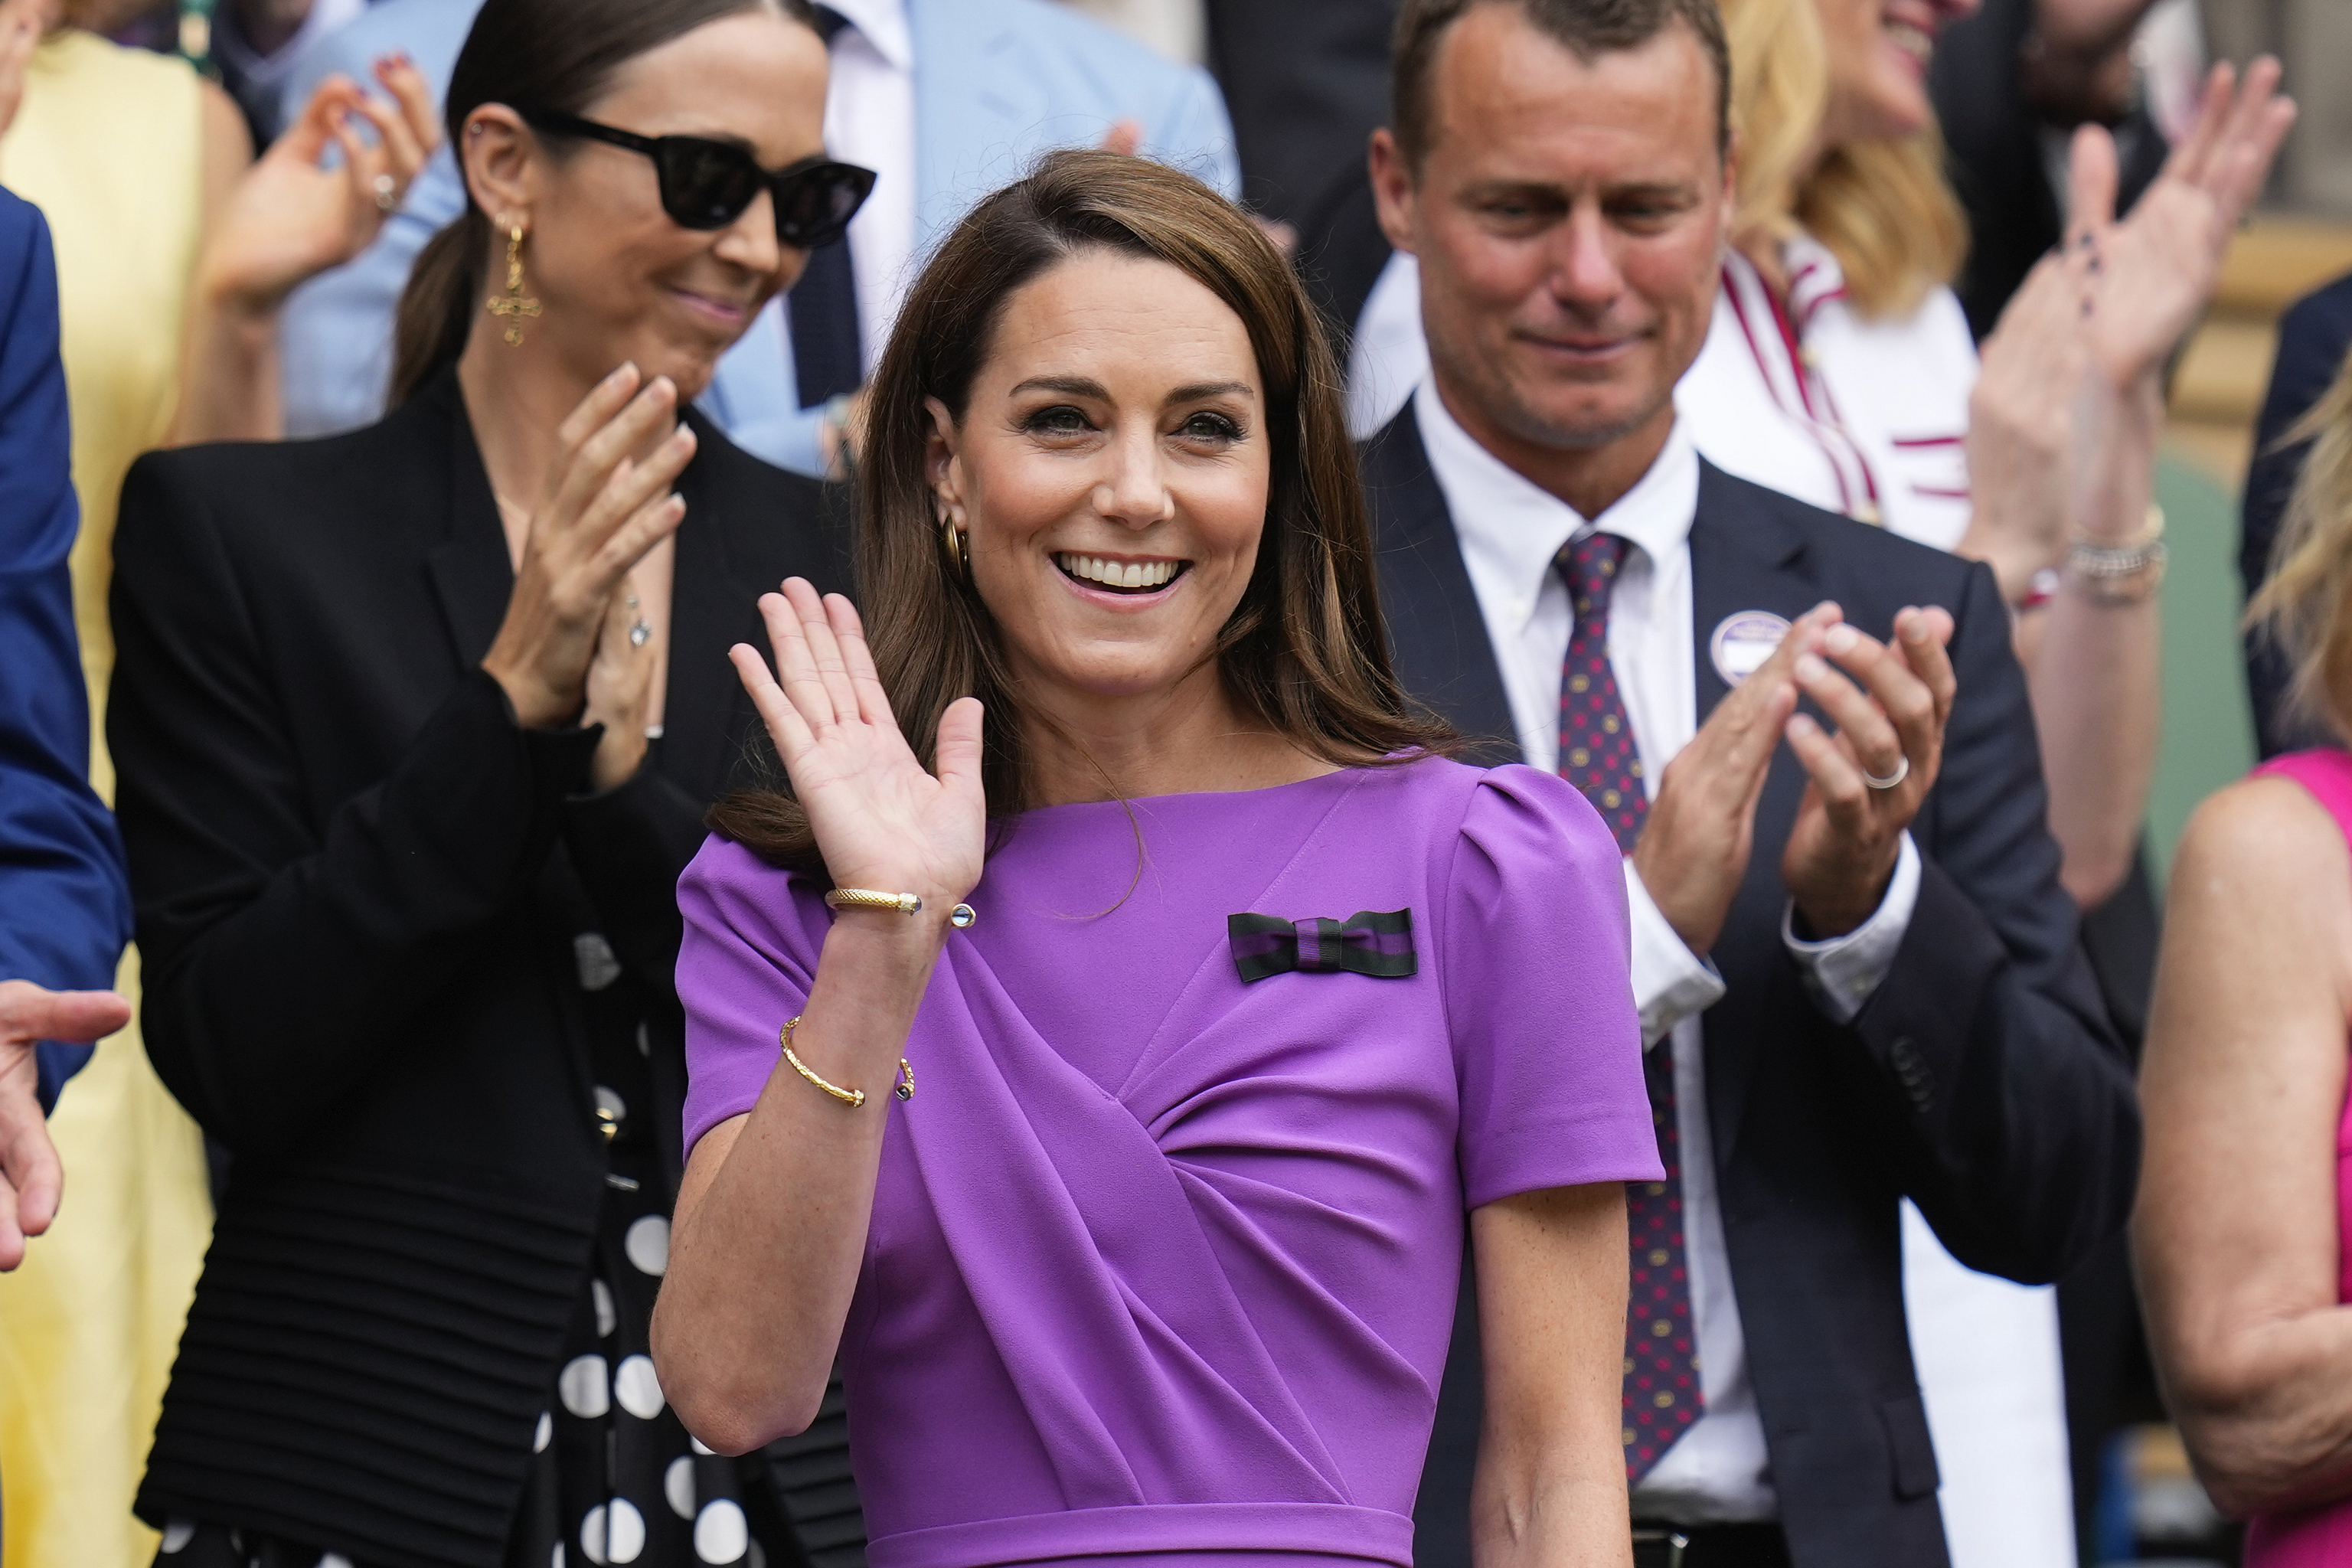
[2093, 656]
[771, 1220]
[229, 381]
[1550, 1489]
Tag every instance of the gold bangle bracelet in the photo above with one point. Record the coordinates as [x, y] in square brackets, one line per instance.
[852, 1097]
[961, 917]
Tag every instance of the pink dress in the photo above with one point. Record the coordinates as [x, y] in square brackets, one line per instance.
[2318, 1536]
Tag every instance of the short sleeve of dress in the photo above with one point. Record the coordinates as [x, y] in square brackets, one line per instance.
[1539, 995]
[745, 964]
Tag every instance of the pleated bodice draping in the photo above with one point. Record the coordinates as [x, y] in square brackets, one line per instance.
[1161, 1262]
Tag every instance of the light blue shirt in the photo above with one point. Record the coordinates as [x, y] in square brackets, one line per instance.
[996, 83]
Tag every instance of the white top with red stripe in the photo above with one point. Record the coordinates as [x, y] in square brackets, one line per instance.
[1864, 417]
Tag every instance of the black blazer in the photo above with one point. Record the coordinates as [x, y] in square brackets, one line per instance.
[357, 886]
[1980, 1080]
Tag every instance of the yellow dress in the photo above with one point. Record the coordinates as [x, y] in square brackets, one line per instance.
[109, 145]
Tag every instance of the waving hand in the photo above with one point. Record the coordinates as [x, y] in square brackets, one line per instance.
[881, 821]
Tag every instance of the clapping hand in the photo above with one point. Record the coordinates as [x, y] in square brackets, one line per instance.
[2155, 270]
[1890, 703]
[1694, 844]
[30, 1178]
[607, 502]
[881, 821]
[291, 217]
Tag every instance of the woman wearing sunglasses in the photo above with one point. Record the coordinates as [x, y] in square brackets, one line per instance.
[415, 728]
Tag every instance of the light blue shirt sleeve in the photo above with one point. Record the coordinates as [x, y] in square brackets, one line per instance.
[335, 335]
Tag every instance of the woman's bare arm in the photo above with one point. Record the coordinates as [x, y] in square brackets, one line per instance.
[771, 1218]
[271, 226]
[1549, 1491]
[2236, 1234]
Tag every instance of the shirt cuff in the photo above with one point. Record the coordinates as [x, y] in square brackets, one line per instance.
[1671, 983]
[1844, 972]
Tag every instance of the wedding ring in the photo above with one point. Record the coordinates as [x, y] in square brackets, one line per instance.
[387, 192]
[1901, 771]
[640, 634]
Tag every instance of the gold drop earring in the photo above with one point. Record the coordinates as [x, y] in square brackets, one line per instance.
[513, 305]
[951, 541]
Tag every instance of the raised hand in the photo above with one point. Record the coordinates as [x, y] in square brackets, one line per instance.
[881, 821]
[31, 1181]
[2023, 417]
[619, 693]
[604, 506]
[2157, 269]
[291, 217]
[1890, 706]
[1696, 842]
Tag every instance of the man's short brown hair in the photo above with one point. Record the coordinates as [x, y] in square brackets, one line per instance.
[1589, 28]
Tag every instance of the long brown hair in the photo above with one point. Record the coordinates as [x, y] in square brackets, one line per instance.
[557, 55]
[1304, 650]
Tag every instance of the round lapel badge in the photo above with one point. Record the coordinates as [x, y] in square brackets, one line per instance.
[1744, 641]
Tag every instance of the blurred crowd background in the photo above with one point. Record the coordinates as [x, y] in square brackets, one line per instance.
[131, 161]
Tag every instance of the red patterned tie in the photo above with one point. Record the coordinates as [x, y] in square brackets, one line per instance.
[1597, 755]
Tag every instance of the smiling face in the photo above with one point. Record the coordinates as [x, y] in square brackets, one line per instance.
[1111, 470]
[1878, 52]
[1569, 220]
[617, 277]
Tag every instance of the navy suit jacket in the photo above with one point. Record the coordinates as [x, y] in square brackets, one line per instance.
[2313, 337]
[1980, 1080]
[65, 907]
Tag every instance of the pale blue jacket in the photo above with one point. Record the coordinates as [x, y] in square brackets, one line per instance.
[996, 82]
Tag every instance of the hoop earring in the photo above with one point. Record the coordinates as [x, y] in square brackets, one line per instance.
[513, 305]
[951, 541]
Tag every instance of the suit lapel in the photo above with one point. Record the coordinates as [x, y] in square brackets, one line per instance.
[1745, 556]
[1436, 634]
[471, 568]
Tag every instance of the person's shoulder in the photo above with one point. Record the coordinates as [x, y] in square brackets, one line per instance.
[390, 25]
[251, 486]
[2325, 312]
[1878, 557]
[1454, 801]
[22, 229]
[2264, 834]
[1055, 29]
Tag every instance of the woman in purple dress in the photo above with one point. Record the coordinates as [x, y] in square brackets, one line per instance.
[1212, 998]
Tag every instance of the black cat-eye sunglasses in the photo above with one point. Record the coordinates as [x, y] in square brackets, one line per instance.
[707, 185]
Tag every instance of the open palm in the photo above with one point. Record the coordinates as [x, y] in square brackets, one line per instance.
[881, 821]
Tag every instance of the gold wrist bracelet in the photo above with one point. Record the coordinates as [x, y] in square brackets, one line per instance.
[852, 1097]
[960, 917]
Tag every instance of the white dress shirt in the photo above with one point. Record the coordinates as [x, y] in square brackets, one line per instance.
[1510, 532]
[869, 120]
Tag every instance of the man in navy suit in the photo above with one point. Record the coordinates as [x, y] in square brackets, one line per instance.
[65, 907]
[1855, 967]
[946, 99]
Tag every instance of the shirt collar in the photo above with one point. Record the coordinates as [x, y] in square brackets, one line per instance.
[883, 24]
[1513, 529]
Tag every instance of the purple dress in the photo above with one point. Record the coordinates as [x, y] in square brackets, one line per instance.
[1163, 1263]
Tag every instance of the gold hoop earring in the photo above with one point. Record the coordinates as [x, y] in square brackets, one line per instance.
[951, 541]
[513, 305]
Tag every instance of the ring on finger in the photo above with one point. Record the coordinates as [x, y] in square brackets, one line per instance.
[387, 192]
[641, 633]
[1901, 771]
